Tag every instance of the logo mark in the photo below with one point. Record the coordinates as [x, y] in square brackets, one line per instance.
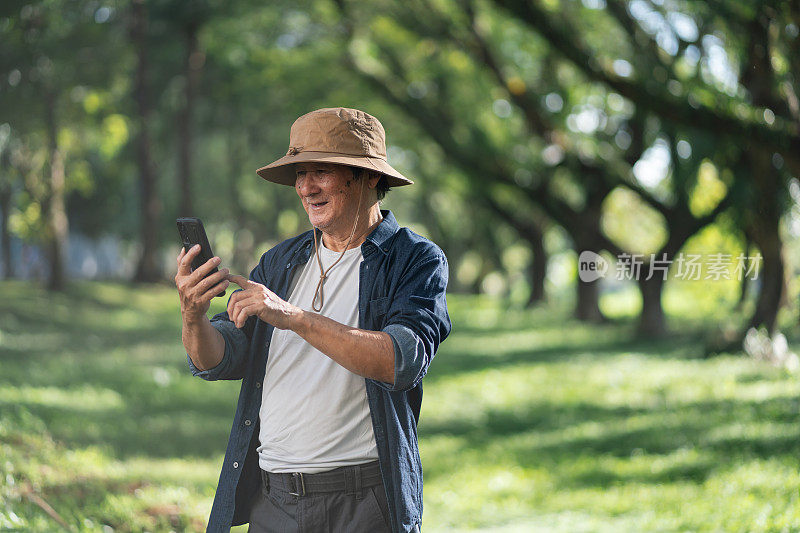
[591, 266]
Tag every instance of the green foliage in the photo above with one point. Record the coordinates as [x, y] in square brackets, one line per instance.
[98, 415]
[632, 223]
[530, 422]
[517, 131]
[708, 191]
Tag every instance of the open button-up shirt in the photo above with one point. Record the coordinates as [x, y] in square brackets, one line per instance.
[402, 283]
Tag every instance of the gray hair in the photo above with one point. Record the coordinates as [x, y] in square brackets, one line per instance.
[383, 184]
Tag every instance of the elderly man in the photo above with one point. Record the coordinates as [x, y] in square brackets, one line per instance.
[331, 336]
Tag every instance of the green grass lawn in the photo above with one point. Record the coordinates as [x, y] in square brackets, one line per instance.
[531, 422]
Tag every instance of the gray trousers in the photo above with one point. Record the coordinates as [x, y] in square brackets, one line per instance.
[347, 499]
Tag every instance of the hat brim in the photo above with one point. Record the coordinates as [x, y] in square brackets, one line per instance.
[282, 171]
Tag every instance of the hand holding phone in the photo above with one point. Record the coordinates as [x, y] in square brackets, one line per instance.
[192, 232]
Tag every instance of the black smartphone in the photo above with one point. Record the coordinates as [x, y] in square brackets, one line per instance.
[192, 232]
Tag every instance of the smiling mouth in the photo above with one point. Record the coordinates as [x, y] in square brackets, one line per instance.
[317, 204]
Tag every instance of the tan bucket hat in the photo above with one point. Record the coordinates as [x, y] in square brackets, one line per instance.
[335, 135]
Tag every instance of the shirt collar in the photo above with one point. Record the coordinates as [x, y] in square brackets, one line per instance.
[386, 229]
[379, 236]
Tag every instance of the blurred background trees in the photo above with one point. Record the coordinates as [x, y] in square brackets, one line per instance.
[535, 130]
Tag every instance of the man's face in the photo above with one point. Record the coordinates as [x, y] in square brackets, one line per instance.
[329, 194]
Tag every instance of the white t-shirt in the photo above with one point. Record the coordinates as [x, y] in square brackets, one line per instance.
[314, 413]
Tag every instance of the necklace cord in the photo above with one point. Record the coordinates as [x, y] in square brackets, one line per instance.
[318, 294]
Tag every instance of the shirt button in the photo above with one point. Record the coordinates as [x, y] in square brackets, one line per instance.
[288, 265]
[246, 422]
[258, 384]
[236, 465]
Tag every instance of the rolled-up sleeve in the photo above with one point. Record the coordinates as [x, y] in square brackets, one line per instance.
[417, 319]
[236, 345]
[237, 341]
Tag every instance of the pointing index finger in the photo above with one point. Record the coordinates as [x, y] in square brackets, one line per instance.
[241, 281]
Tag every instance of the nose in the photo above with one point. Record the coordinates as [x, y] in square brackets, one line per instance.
[306, 186]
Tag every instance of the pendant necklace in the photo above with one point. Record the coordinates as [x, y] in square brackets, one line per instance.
[323, 272]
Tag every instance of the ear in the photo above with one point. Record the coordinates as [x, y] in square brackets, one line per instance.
[374, 178]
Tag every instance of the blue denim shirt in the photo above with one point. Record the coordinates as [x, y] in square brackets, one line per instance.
[402, 282]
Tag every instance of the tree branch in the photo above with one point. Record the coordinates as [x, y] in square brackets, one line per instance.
[619, 10]
[781, 136]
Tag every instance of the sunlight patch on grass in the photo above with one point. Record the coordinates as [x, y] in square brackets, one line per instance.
[531, 422]
[84, 398]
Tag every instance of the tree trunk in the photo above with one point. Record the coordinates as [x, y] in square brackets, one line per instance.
[538, 269]
[651, 320]
[587, 307]
[6, 195]
[744, 283]
[763, 227]
[531, 231]
[771, 275]
[149, 267]
[243, 243]
[585, 233]
[192, 63]
[477, 284]
[765, 214]
[5, 236]
[54, 207]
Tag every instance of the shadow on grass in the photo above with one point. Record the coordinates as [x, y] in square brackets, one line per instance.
[102, 365]
[604, 477]
[502, 423]
[451, 362]
[125, 346]
[143, 424]
[551, 434]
